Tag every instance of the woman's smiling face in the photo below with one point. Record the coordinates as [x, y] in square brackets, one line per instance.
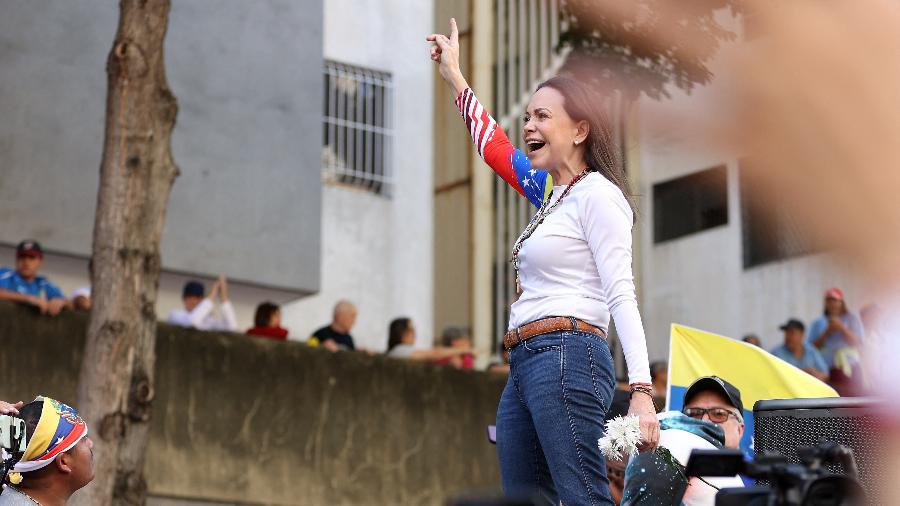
[549, 132]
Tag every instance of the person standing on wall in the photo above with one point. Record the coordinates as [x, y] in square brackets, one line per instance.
[573, 272]
[838, 335]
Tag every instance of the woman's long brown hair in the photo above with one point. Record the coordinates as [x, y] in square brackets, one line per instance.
[600, 153]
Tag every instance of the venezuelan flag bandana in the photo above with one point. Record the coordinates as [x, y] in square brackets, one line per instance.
[58, 430]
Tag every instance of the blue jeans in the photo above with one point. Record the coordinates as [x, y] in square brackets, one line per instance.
[551, 416]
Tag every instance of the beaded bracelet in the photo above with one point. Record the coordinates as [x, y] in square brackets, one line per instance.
[644, 390]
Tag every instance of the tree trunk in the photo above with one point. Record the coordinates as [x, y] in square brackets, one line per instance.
[115, 389]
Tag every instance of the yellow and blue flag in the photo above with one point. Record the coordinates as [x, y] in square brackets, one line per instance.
[758, 374]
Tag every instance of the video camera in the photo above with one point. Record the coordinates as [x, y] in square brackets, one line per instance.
[12, 442]
[783, 483]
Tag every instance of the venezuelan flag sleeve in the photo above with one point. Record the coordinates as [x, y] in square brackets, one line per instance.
[495, 149]
[758, 374]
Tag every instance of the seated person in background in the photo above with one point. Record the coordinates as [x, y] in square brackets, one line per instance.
[58, 458]
[402, 338]
[81, 298]
[659, 377]
[198, 310]
[712, 418]
[25, 285]
[336, 335]
[800, 354]
[752, 339]
[457, 337]
[267, 322]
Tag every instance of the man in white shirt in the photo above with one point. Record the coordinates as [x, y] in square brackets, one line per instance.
[198, 310]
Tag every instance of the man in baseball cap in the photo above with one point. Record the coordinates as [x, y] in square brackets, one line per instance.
[25, 285]
[58, 457]
[800, 354]
[713, 399]
[711, 419]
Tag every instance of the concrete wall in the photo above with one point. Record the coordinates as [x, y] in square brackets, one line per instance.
[377, 250]
[699, 280]
[239, 420]
[247, 140]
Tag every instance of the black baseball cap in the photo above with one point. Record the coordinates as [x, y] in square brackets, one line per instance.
[793, 323]
[715, 384]
[29, 248]
[193, 288]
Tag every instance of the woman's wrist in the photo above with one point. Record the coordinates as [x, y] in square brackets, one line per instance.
[643, 397]
[456, 82]
[641, 405]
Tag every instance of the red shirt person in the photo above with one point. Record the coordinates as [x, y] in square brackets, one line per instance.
[267, 322]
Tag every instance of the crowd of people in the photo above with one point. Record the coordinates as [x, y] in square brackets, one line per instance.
[833, 348]
[212, 310]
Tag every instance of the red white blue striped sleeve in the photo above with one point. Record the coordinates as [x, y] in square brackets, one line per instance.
[498, 152]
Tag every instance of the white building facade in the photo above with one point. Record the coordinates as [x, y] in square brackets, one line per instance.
[259, 200]
[377, 246]
[713, 253]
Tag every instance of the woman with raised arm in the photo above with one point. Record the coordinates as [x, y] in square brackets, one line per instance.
[573, 271]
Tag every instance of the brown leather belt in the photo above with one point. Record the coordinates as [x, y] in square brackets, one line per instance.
[547, 325]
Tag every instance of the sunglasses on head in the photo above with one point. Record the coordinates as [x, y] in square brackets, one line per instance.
[716, 415]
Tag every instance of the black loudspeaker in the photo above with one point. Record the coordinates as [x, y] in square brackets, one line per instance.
[785, 425]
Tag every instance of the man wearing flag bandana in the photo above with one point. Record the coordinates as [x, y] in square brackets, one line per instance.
[58, 458]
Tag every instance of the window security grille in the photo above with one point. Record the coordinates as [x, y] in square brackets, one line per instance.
[357, 127]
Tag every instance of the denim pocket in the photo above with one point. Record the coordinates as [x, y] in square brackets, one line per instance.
[602, 371]
[544, 342]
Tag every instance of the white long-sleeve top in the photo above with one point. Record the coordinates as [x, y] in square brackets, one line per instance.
[578, 263]
[202, 317]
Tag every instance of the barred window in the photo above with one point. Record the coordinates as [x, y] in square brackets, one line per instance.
[357, 127]
[690, 204]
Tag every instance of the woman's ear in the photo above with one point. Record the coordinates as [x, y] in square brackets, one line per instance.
[582, 130]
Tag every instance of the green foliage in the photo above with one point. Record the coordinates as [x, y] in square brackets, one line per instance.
[642, 46]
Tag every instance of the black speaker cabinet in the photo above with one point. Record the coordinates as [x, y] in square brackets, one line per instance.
[785, 425]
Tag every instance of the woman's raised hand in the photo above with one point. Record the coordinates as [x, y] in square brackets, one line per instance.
[445, 51]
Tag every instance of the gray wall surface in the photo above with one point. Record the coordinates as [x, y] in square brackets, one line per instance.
[244, 420]
[248, 79]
